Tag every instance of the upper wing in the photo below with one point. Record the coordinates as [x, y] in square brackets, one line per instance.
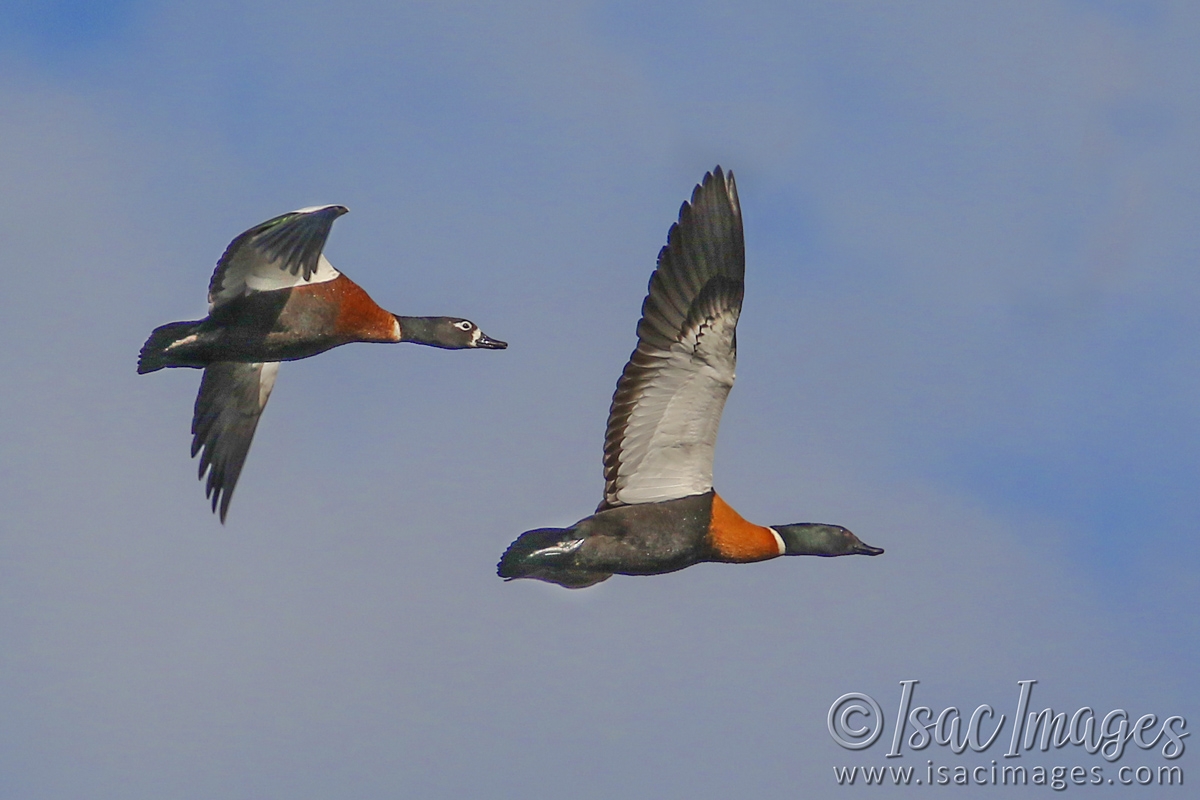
[232, 397]
[662, 425]
[276, 254]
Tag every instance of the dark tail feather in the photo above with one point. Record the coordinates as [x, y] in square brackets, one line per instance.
[522, 555]
[154, 354]
[547, 555]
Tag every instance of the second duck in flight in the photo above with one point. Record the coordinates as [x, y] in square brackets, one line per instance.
[275, 297]
[660, 513]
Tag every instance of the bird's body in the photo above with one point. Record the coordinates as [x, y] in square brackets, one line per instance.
[643, 539]
[282, 325]
[275, 297]
[660, 512]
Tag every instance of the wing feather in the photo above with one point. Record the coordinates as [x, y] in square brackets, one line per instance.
[662, 425]
[231, 400]
[281, 252]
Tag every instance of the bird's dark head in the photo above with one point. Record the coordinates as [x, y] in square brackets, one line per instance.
[450, 333]
[815, 539]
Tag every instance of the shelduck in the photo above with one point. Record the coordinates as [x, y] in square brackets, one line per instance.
[660, 512]
[275, 297]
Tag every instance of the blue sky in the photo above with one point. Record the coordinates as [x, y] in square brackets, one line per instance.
[969, 335]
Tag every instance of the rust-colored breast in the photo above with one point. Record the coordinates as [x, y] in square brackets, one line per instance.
[358, 319]
[736, 540]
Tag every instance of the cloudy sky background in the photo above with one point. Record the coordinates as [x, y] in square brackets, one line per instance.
[969, 334]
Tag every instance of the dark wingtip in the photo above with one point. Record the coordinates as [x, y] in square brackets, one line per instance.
[716, 175]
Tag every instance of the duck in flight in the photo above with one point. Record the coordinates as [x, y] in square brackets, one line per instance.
[275, 297]
[660, 513]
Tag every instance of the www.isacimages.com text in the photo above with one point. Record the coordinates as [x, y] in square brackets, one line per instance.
[1056, 778]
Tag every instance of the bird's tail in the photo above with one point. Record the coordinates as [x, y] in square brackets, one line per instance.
[547, 554]
[157, 351]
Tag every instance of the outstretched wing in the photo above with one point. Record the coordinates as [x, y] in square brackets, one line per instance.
[662, 425]
[231, 399]
[276, 254]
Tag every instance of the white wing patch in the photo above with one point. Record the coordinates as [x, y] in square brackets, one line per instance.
[278, 254]
[662, 425]
[275, 277]
[669, 441]
[261, 275]
[266, 383]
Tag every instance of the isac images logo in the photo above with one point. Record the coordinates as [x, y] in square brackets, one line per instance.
[856, 722]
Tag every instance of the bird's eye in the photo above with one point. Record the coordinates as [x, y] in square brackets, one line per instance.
[463, 325]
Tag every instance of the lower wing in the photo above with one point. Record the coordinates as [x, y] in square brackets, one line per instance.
[231, 399]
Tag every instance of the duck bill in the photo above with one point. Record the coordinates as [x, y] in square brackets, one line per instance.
[489, 343]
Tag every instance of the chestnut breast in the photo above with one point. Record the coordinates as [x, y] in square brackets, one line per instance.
[341, 310]
[733, 539]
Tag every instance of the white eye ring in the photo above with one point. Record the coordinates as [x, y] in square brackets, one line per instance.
[464, 325]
